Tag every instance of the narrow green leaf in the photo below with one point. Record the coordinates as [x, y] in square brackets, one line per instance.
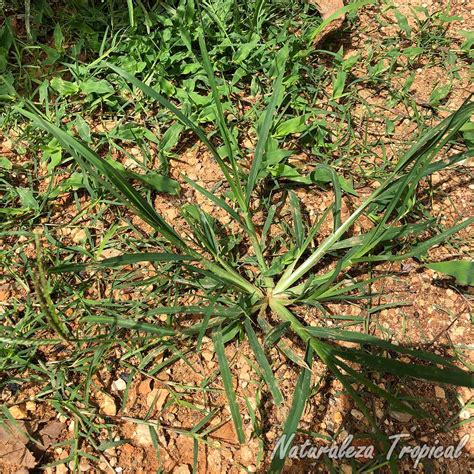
[121, 187]
[227, 380]
[301, 394]
[183, 119]
[121, 260]
[392, 366]
[262, 360]
[263, 133]
[462, 270]
[361, 338]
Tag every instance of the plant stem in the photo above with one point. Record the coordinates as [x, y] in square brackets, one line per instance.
[287, 280]
[257, 247]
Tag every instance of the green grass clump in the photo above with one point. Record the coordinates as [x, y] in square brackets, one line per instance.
[257, 74]
[235, 301]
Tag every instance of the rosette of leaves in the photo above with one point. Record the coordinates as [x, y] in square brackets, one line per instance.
[237, 302]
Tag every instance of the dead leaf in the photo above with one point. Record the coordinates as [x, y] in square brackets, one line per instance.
[52, 432]
[326, 8]
[13, 450]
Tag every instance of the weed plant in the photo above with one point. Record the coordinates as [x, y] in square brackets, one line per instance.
[236, 302]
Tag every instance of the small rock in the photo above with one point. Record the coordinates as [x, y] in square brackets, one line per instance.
[144, 388]
[157, 397]
[207, 355]
[358, 415]
[142, 435]
[246, 454]
[4, 293]
[439, 392]
[182, 469]
[401, 416]
[338, 417]
[109, 253]
[18, 413]
[107, 404]
[346, 401]
[84, 466]
[30, 406]
[62, 469]
[78, 236]
[119, 385]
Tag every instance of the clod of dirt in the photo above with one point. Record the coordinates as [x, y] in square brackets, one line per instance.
[18, 413]
[4, 293]
[144, 387]
[182, 469]
[106, 404]
[13, 450]
[157, 398]
[439, 392]
[142, 436]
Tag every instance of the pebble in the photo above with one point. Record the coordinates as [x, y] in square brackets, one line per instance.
[358, 415]
[30, 406]
[4, 293]
[18, 413]
[439, 392]
[144, 387]
[246, 454]
[157, 396]
[338, 417]
[62, 469]
[142, 435]
[400, 416]
[107, 404]
[119, 385]
[78, 236]
[182, 469]
[207, 355]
